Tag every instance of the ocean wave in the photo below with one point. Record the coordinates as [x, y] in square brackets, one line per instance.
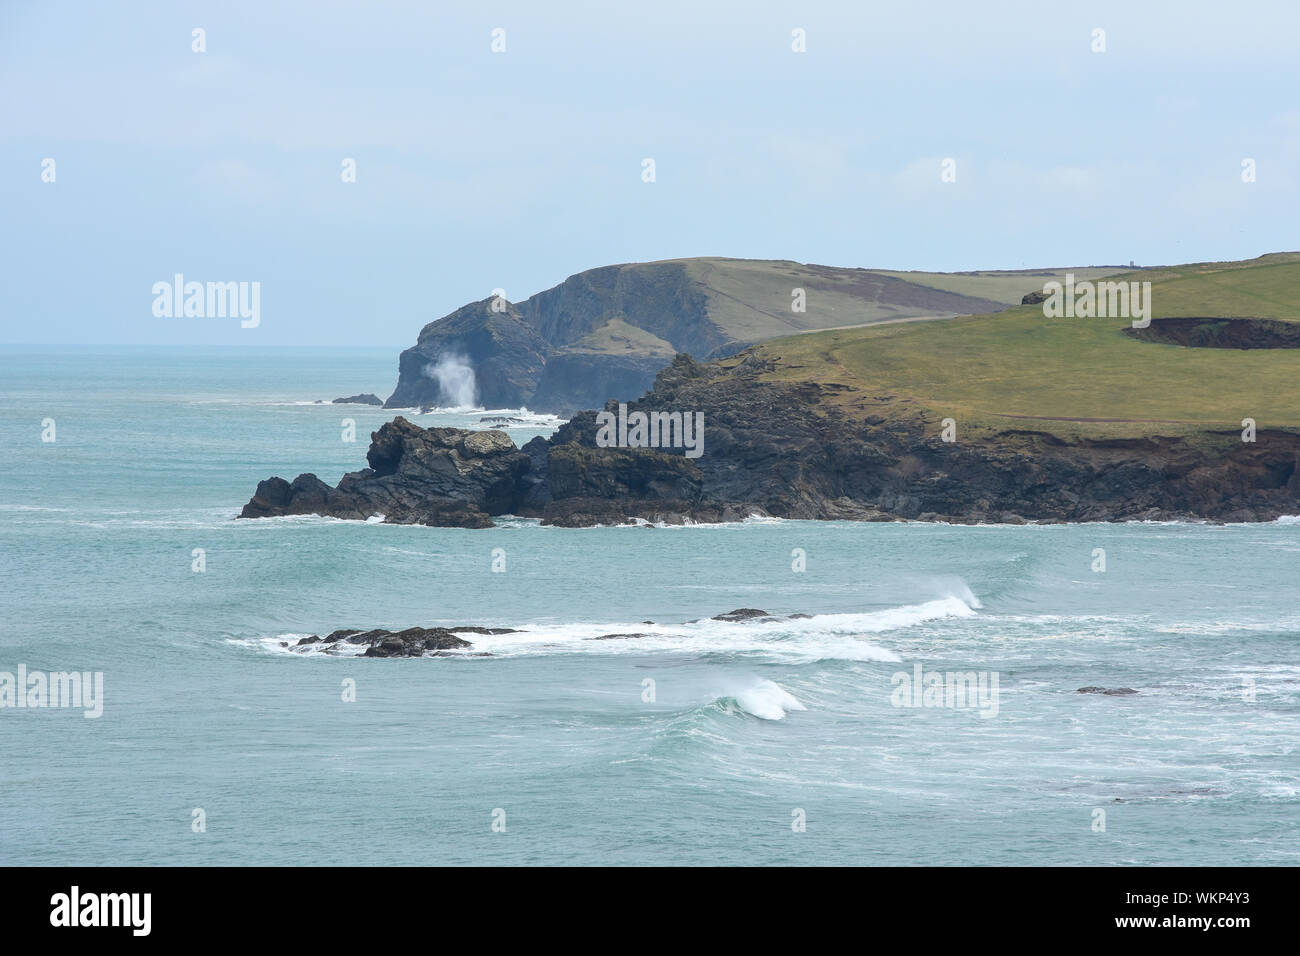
[765, 700]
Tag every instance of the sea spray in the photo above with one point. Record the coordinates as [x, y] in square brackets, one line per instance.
[456, 382]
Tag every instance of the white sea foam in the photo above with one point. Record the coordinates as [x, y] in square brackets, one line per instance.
[688, 523]
[766, 700]
[449, 410]
[819, 637]
[527, 419]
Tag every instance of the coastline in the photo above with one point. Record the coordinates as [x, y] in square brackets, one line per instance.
[800, 450]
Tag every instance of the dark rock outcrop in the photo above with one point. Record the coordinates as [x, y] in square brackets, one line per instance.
[741, 614]
[1108, 691]
[364, 399]
[446, 477]
[412, 642]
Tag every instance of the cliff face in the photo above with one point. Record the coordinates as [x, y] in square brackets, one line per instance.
[661, 298]
[574, 379]
[790, 449]
[541, 352]
[506, 354]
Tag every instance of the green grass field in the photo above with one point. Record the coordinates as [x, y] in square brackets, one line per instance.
[1007, 287]
[1018, 369]
[616, 337]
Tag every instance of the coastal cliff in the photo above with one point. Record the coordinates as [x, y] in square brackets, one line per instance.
[799, 450]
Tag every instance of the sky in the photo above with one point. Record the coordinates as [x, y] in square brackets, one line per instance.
[478, 170]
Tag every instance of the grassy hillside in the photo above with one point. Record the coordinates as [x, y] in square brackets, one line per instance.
[1264, 288]
[750, 299]
[1007, 288]
[1018, 369]
[616, 337]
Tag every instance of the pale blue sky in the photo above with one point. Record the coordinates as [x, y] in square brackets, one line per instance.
[478, 170]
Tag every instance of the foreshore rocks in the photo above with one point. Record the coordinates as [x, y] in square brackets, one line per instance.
[411, 642]
[447, 642]
[743, 614]
[447, 477]
[1107, 691]
[800, 449]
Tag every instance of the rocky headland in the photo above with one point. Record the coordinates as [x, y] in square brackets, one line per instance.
[798, 449]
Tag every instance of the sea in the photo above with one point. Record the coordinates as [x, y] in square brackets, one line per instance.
[910, 697]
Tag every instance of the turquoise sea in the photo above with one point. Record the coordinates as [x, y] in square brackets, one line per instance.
[700, 742]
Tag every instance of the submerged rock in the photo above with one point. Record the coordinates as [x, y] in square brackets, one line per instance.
[412, 642]
[741, 614]
[1108, 691]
